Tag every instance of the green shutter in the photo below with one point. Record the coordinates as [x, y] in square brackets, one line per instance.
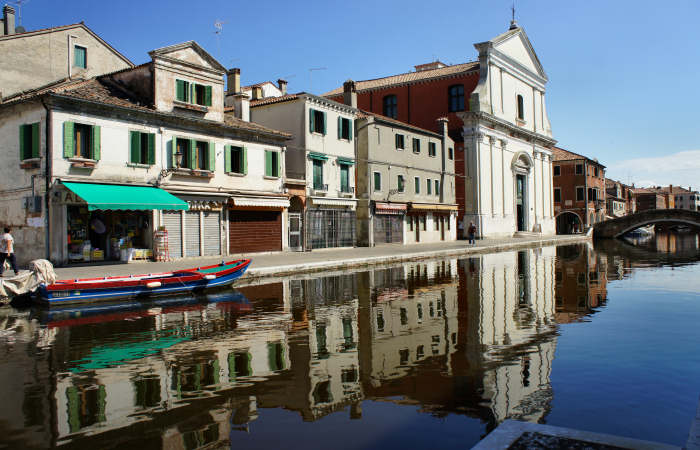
[340, 127]
[173, 160]
[192, 92]
[151, 148]
[35, 140]
[193, 154]
[351, 125]
[207, 95]
[135, 149]
[279, 164]
[268, 163]
[96, 139]
[244, 162]
[68, 139]
[227, 158]
[180, 90]
[22, 150]
[311, 121]
[325, 123]
[211, 153]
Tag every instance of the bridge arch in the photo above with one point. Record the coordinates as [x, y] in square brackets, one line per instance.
[568, 222]
[617, 227]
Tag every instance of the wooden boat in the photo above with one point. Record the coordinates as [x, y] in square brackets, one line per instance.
[142, 286]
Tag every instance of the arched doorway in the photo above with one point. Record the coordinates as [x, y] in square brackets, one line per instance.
[568, 223]
[296, 214]
[521, 165]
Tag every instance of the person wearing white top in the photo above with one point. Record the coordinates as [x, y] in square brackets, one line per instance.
[7, 251]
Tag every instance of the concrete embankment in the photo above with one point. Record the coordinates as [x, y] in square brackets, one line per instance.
[288, 263]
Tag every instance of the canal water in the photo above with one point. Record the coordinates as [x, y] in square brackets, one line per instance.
[422, 355]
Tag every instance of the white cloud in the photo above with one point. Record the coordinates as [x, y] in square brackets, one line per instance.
[679, 169]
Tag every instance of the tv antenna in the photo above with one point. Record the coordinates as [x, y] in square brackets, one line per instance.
[311, 71]
[219, 25]
[19, 4]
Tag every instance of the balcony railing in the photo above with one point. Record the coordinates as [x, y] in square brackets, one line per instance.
[347, 191]
[317, 189]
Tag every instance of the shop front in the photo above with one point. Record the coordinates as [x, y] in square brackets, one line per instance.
[388, 223]
[431, 222]
[103, 222]
[330, 223]
[256, 223]
[198, 231]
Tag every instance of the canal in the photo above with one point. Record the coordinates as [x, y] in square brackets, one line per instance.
[419, 355]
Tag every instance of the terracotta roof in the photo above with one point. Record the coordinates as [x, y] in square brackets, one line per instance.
[667, 190]
[270, 100]
[409, 77]
[564, 155]
[251, 86]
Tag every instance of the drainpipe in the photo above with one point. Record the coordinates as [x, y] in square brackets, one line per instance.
[585, 192]
[47, 197]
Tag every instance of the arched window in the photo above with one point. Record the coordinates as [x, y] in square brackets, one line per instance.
[390, 109]
[455, 95]
[521, 108]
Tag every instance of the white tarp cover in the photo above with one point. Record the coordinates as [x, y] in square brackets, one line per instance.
[41, 271]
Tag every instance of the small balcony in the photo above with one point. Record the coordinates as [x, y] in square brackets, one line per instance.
[319, 189]
[347, 191]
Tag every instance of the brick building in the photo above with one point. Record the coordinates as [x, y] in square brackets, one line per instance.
[579, 191]
[619, 199]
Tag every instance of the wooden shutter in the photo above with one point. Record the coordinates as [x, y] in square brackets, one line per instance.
[35, 140]
[279, 164]
[340, 127]
[207, 95]
[22, 150]
[96, 139]
[68, 139]
[135, 149]
[180, 90]
[268, 163]
[312, 120]
[193, 154]
[351, 125]
[151, 148]
[324, 123]
[192, 93]
[227, 158]
[244, 162]
[174, 151]
[211, 153]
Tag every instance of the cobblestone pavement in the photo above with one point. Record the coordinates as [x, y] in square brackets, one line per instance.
[278, 263]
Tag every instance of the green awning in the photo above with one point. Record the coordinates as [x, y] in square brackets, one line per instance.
[319, 156]
[346, 161]
[112, 196]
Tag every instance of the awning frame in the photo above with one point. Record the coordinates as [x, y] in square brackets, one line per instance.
[118, 197]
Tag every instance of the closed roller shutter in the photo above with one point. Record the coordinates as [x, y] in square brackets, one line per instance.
[255, 231]
[192, 233]
[388, 229]
[171, 222]
[212, 235]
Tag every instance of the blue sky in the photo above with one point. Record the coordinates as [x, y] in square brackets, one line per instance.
[623, 74]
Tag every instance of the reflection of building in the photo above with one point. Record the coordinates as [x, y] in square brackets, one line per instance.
[581, 281]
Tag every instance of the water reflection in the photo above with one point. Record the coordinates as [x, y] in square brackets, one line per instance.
[474, 337]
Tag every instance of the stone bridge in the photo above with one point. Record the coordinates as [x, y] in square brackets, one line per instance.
[616, 227]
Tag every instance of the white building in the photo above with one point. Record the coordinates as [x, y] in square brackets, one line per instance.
[686, 198]
[508, 140]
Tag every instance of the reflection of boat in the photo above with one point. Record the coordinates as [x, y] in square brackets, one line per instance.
[646, 231]
[139, 286]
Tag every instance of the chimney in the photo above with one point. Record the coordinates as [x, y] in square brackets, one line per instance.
[282, 85]
[8, 15]
[350, 94]
[670, 189]
[233, 81]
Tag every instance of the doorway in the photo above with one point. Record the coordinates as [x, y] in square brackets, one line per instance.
[520, 203]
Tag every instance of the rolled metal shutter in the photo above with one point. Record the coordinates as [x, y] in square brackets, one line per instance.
[212, 233]
[192, 233]
[171, 222]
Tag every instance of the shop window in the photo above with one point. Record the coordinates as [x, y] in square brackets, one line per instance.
[81, 141]
[557, 170]
[400, 183]
[557, 195]
[432, 149]
[318, 174]
[400, 145]
[272, 164]
[29, 141]
[142, 148]
[410, 222]
[344, 128]
[436, 223]
[377, 181]
[580, 194]
[80, 57]
[236, 159]
[193, 93]
[455, 96]
[424, 221]
[416, 145]
[521, 108]
[390, 106]
[417, 184]
[317, 122]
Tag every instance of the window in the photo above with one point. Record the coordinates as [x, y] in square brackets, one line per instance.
[455, 98]
[390, 109]
[377, 181]
[424, 221]
[579, 169]
[400, 142]
[142, 148]
[436, 222]
[437, 187]
[451, 153]
[521, 108]
[80, 57]
[595, 172]
[317, 122]
[344, 178]
[580, 194]
[416, 181]
[429, 185]
[410, 222]
[29, 141]
[196, 155]
[432, 149]
[557, 195]
[193, 93]
[318, 174]
[400, 183]
[81, 141]
[344, 129]
[557, 171]
[416, 145]
[272, 164]
[235, 159]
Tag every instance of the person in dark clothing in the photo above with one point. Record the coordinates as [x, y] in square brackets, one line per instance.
[471, 232]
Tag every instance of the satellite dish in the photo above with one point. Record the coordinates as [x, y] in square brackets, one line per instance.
[20, 29]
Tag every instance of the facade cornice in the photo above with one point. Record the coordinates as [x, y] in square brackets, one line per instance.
[314, 99]
[512, 130]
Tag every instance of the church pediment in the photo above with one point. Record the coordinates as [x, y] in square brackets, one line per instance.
[514, 48]
[188, 52]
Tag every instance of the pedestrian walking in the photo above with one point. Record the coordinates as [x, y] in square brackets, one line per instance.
[471, 232]
[7, 251]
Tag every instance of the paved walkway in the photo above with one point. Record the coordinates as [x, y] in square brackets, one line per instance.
[281, 263]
